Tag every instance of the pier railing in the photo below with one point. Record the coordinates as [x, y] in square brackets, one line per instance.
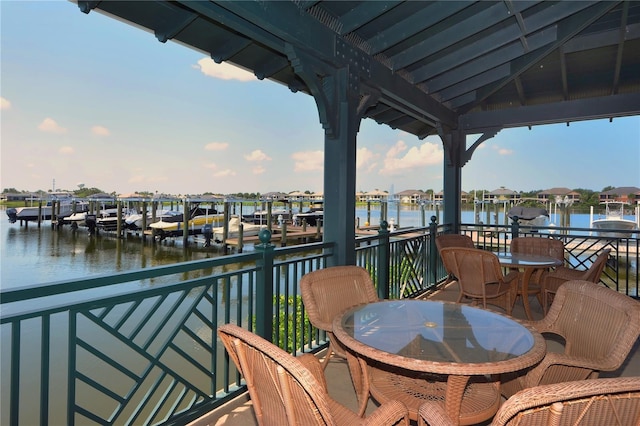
[140, 347]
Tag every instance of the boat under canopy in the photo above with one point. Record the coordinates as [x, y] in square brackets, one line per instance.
[532, 216]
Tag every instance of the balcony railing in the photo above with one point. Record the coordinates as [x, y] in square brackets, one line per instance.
[140, 347]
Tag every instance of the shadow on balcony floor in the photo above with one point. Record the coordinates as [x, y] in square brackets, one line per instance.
[240, 413]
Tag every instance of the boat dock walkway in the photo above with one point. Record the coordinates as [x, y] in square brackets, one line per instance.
[281, 236]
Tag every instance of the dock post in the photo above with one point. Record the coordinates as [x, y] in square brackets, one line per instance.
[283, 241]
[39, 213]
[185, 220]
[240, 238]
[119, 219]
[144, 219]
[53, 212]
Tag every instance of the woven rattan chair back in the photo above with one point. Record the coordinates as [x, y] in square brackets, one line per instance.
[281, 390]
[542, 246]
[554, 279]
[479, 276]
[329, 291]
[614, 401]
[288, 390]
[611, 402]
[599, 327]
[452, 240]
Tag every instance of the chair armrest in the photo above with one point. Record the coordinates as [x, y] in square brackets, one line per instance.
[389, 413]
[551, 359]
[315, 368]
[511, 276]
[567, 274]
[433, 414]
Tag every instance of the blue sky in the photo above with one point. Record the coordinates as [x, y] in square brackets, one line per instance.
[89, 99]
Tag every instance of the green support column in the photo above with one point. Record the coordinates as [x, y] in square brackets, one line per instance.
[264, 289]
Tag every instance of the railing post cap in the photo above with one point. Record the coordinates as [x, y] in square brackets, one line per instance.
[264, 236]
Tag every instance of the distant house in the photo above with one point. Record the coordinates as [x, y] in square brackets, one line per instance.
[297, 196]
[376, 195]
[411, 196]
[438, 197]
[625, 194]
[274, 196]
[553, 194]
[501, 194]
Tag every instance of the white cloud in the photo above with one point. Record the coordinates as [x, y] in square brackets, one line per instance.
[216, 146]
[257, 155]
[224, 173]
[5, 103]
[223, 71]
[307, 161]
[66, 150]
[49, 125]
[366, 159]
[100, 131]
[427, 154]
[505, 151]
[211, 166]
[258, 170]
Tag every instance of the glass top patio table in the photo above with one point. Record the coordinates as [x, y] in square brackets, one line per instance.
[530, 263]
[444, 337]
[527, 260]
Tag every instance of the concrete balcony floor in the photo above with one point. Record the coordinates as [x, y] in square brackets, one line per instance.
[240, 413]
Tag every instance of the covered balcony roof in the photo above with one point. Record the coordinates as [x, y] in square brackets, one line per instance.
[457, 64]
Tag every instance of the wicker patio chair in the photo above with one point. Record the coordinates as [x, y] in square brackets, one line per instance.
[329, 291]
[480, 276]
[561, 275]
[611, 402]
[599, 326]
[542, 246]
[452, 240]
[292, 390]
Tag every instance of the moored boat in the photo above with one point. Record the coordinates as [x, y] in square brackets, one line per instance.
[233, 229]
[312, 216]
[261, 217]
[529, 216]
[173, 224]
[613, 223]
[65, 205]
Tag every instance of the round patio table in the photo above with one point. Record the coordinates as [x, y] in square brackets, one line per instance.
[450, 339]
[529, 263]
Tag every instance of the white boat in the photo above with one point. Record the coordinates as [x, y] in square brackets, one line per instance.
[172, 225]
[260, 217]
[613, 224]
[134, 219]
[66, 205]
[233, 230]
[77, 219]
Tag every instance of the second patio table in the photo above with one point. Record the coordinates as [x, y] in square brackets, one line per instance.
[449, 339]
[529, 263]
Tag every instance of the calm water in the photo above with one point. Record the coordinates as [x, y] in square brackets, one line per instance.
[31, 255]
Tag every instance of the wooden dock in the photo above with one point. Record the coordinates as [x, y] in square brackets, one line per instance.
[292, 235]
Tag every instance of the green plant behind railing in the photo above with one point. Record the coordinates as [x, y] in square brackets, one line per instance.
[288, 326]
